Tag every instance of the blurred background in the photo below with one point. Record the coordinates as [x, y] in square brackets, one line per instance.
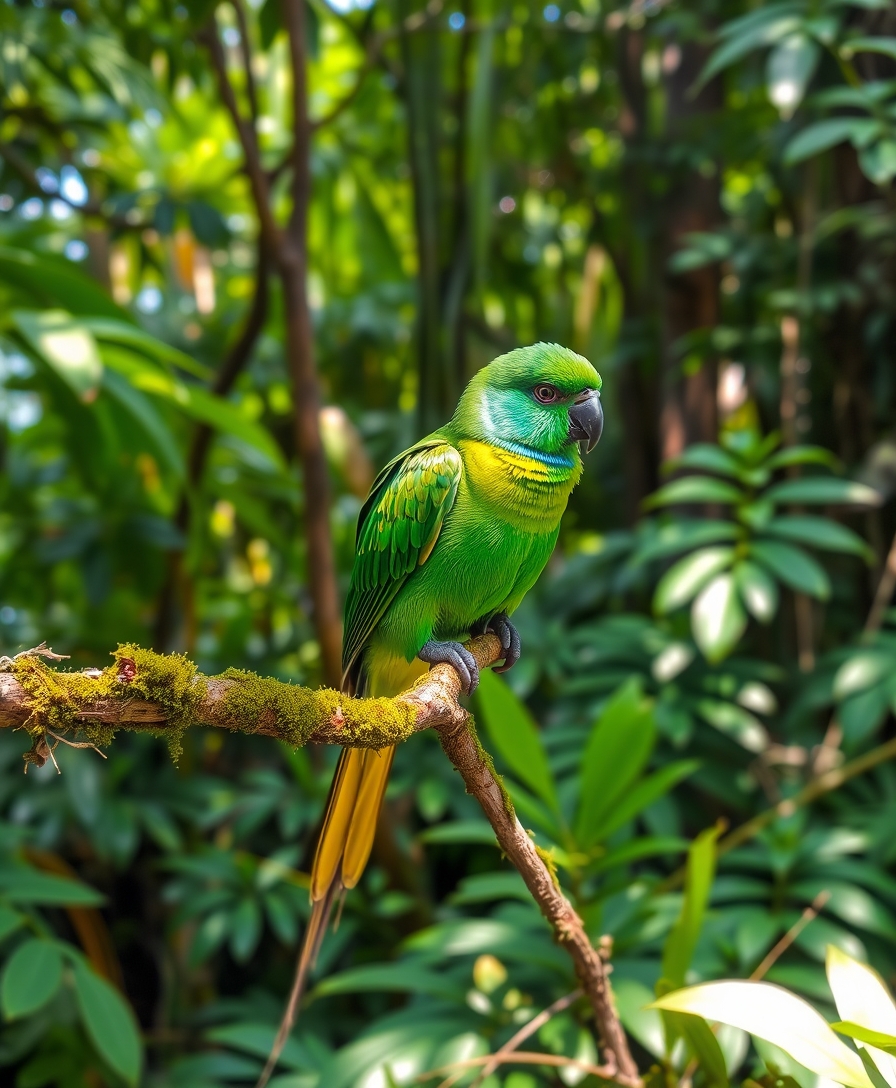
[226, 302]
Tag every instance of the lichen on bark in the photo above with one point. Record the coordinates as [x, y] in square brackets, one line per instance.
[297, 711]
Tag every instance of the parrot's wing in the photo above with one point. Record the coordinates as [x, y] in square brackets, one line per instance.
[397, 529]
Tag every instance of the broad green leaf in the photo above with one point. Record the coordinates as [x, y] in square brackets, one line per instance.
[409, 978]
[705, 456]
[703, 1044]
[683, 580]
[142, 409]
[19, 884]
[822, 490]
[474, 831]
[109, 1022]
[641, 1022]
[10, 920]
[647, 847]
[789, 68]
[802, 455]
[862, 670]
[778, 1016]
[682, 940]
[120, 332]
[194, 401]
[58, 283]
[793, 567]
[684, 534]
[692, 489]
[643, 794]
[735, 721]
[616, 753]
[245, 929]
[863, 1000]
[515, 736]
[878, 161]
[66, 346]
[777, 22]
[757, 590]
[258, 1039]
[717, 618]
[886, 46]
[818, 137]
[820, 533]
[30, 978]
[880, 1039]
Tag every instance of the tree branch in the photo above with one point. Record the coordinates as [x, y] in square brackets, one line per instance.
[164, 694]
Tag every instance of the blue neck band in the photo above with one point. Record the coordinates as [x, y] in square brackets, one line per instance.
[554, 460]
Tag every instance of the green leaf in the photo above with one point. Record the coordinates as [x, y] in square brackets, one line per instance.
[862, 998]
[245, 929]
[144, 413]
[31, 977]
[683, 580]
[793, 567]
[717, 618]
[802, 455]
[821, 533]
[57, 283]
[19, 884]
[194, 401]
[781, 1018]
[63, 343]
[474, 831]
[682, 940]
[119, 332]
[821, 490]
[516, 737]
[776, 22]
[694, 489]
[758, 592]
[683, 534]
[880, 1039]
[886, 46]
[862, 670]
[790, 66]
[616, 753]
[109, 1022]
[819, 137]
[704, 1046]
[648, 847]
[10, 920]
[643, 794]
[878, 161]
[705, 456]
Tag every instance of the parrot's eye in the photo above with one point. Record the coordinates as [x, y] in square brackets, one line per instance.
[546, 394]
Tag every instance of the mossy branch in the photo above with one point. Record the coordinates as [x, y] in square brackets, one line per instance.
[165, 693]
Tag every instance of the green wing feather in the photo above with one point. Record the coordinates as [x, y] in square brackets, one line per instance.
[397, 530]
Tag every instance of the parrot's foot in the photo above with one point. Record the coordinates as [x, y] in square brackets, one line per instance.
[458, 657]
[511, 644]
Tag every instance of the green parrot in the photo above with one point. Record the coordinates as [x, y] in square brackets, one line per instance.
[454, 533]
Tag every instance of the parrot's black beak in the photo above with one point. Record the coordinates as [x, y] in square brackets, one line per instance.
[586, 420]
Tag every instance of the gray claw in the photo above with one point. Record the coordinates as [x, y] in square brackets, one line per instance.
[458, 657]
[501, 626]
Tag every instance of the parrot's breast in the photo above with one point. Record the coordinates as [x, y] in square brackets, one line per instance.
[528, 489]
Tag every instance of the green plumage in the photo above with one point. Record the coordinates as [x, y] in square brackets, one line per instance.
[458, 527]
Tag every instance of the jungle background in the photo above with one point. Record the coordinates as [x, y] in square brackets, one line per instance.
[250, 251]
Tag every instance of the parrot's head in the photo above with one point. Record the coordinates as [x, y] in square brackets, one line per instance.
[544, 397]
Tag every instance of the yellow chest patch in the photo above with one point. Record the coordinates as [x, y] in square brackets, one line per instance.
[526, 489]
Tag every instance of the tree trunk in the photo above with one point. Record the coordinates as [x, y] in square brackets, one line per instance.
[293, 260]
[690, 300]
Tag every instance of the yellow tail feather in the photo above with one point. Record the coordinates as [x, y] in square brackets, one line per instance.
[346, 838]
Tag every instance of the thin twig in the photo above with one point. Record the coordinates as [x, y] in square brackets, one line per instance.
[808, 915]
[526, 1057]
[533, 1025]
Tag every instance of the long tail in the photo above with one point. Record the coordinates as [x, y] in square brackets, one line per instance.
[346, 839]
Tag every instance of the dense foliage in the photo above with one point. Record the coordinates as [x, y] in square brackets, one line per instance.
[698, 196]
